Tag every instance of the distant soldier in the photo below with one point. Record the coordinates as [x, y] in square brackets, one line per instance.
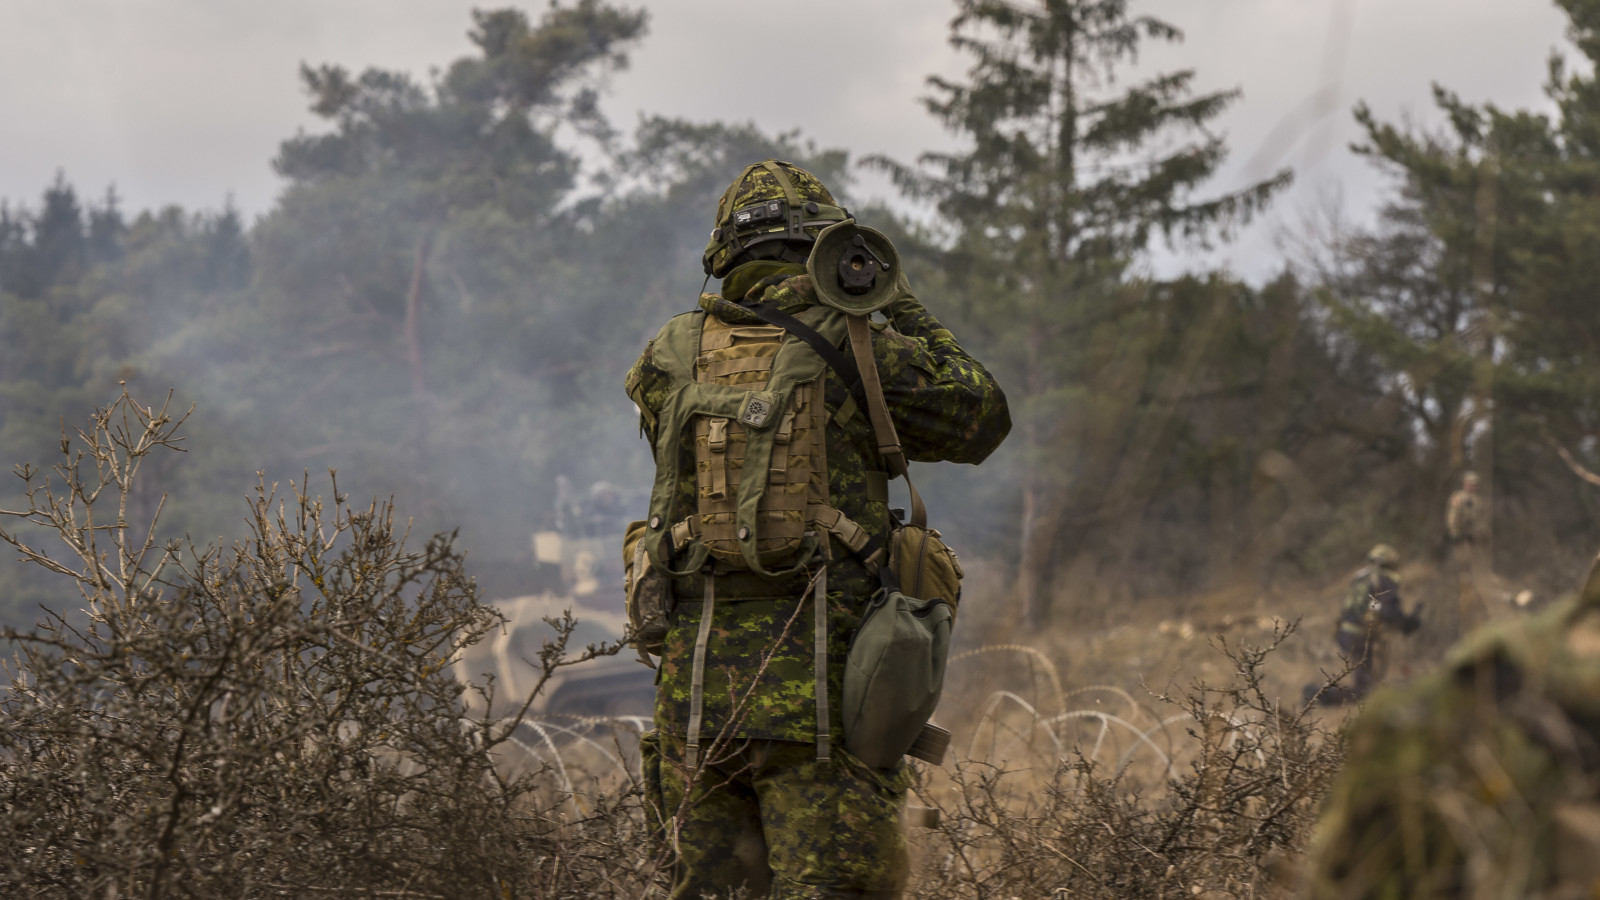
[1466, 525]
[1481, 779]
[1371, 606]
[1463, 515]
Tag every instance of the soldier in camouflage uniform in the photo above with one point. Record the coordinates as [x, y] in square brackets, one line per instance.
[1371, 606]
[1466, 525]
[761, 810]
[1481, 779]
[1463, 515]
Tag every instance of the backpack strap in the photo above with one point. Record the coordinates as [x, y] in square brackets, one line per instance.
[843, 365]
[860, 331]
[819, 655]
[697, 684]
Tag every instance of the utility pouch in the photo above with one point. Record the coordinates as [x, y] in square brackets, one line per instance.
[893, 676]
[648, 595]
[925, 566]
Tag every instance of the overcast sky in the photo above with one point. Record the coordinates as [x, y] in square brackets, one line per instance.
[185, 101]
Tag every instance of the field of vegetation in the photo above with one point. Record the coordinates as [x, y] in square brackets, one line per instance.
[239, 676]
[281, 717]
[284, 717]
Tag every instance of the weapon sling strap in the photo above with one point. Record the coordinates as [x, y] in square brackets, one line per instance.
[866, 389]
[697, 685]
[860, 331]
[847, 368]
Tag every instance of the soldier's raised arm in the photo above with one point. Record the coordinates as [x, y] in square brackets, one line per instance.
[946, 405]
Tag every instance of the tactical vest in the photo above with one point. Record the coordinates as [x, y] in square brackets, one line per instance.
[751, 395]
[1359, 611]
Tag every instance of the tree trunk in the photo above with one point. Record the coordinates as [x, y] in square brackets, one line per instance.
[413, 333]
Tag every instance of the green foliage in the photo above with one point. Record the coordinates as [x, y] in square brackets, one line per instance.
[434, 306]
[443, 302]
[1476, 293]
[1067, 177]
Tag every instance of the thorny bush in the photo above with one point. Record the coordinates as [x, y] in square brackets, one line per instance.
[1235, 823]
[277, 718]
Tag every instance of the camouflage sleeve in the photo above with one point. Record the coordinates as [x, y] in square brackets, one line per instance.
[946, 405]
[647, 384]
[1354, 606]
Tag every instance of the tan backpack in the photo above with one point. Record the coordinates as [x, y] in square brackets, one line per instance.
[797, 470]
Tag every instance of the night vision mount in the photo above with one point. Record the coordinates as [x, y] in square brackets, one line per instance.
[771, 220]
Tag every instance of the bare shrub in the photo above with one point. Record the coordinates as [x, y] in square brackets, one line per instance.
[278, 718]
[1233, 824]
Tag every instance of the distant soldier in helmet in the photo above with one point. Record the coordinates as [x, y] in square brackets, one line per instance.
[1371, 606]
[745, 768]
[1467, 527]
[1463, 515]
[1480, 779]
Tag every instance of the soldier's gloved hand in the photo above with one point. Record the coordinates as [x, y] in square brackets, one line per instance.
[901, 309]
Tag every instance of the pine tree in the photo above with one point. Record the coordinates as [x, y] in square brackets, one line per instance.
[1068, 175]
[1477, 294]
[409, 172]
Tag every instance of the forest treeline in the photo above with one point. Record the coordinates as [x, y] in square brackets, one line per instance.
[444, 298]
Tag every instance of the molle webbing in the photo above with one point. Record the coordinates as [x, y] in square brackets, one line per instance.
[750, 397]
[844, 366]
[797, 468]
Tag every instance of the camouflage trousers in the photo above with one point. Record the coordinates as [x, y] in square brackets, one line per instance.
[767, 816]
[1361, 651]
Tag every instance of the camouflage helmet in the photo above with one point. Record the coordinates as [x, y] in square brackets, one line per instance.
[771, 200]
[1384, 555]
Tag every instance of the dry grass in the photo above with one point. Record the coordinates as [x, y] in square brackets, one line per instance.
[283, 718]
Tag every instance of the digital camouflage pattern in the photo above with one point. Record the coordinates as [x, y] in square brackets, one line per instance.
[755, 186]
[760, 184]
[771, 818]
[946, 406]
[1373, 601]
[1481, 779]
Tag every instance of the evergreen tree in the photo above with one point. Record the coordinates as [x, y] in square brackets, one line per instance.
[106, 229]
[1068, 176]
[416, 319]
[1477, 293]
[60, 246]
[413, 177]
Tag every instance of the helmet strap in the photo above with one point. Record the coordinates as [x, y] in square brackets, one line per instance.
[798, 216]
[789, 193]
